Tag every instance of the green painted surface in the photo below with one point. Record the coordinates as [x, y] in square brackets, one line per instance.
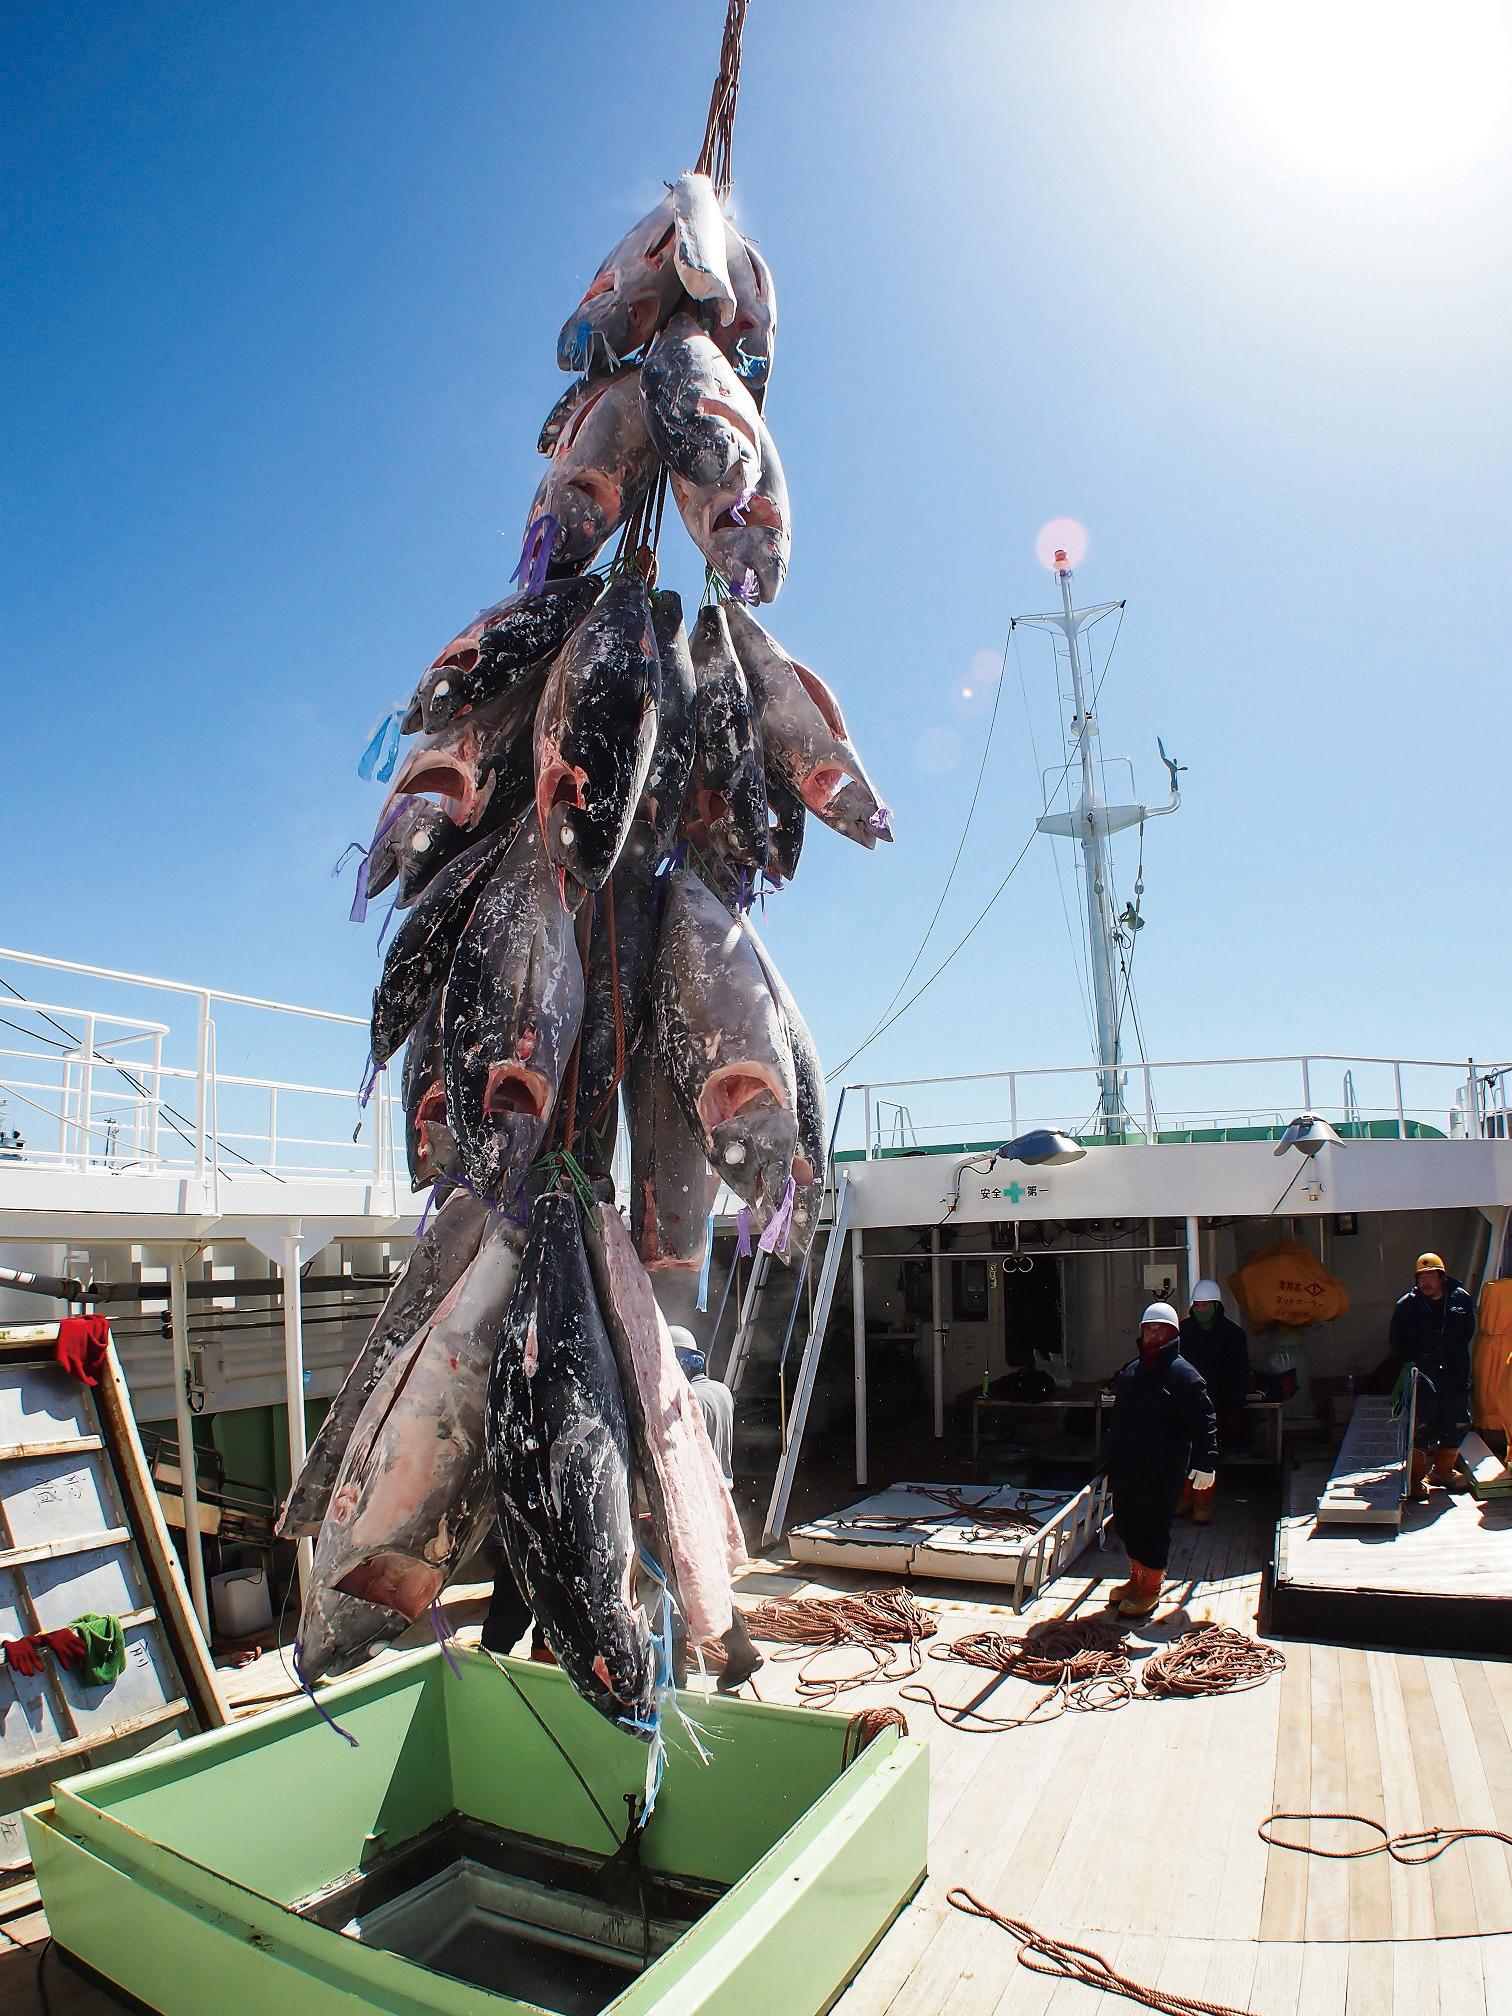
[1165, 1137]
[170, 1875]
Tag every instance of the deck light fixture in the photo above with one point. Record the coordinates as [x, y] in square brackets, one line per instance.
[1307, 1134]
[1040, 1148]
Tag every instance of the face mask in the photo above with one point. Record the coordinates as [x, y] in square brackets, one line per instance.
[1206, 1315]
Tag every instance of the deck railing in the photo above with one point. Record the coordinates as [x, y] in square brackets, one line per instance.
[112, 1087]
[1192, 1098]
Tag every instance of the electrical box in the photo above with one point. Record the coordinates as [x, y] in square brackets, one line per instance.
[1160, 1278]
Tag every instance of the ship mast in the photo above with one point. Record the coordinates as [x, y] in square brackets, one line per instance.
[1091, 822]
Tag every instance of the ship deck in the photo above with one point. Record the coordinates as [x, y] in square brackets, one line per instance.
[1134, 1832]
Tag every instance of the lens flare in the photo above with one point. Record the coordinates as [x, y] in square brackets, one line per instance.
[1062, 536]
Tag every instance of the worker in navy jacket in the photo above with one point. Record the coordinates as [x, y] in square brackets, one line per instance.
[1164, 1434]
[1433, 1327]
[1215, 1344]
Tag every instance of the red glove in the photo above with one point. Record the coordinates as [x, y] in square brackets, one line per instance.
[24, 1655]
[82, 1344]
[67, 1646]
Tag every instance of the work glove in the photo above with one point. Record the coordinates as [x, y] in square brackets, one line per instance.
[22, 1655]
[68, 1647]
[1202, 1480]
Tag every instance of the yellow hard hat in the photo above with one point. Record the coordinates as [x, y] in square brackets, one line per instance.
[1429, 1263]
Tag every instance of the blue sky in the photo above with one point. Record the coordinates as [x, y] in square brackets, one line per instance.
[282, 286]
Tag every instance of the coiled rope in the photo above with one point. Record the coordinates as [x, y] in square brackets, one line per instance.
[1210, 1659]
[1085, 1665]
[872, 1624]
[865, 1726]
[1064, 1962]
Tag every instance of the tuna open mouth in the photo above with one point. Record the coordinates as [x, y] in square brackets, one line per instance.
[430, 772]
[431, 1112]
[513, 1088]
[822, 785]
[757, 510]
[396, 1582]
[730, 1090]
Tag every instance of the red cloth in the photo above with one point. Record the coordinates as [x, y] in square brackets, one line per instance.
[82, 1344]
[25, 1654]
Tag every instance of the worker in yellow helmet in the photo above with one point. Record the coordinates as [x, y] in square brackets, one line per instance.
[1433, 1327]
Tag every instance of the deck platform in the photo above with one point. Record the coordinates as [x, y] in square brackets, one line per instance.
[1442, 1579]
[1134, 1832]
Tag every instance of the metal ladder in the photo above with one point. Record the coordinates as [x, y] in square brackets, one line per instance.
[793, 1427]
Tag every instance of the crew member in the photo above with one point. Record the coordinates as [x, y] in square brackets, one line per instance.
[1433, 1327]
[1163, 1435]
[1216, 1345]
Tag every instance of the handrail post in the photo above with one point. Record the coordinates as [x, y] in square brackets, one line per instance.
[86, 1090]
[1149, 1109]
[1474, 1106]
[1396, 1075]
[380, 1113]
[201, 1091]
[866, 1121]
[1012, 1104]
[1306, 1087]
[183, 1416]
[272, 1127]
[157, 1100]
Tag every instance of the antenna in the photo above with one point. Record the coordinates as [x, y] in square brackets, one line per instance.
[1092, 822]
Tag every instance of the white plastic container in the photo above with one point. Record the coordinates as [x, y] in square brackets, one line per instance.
[240, 1602]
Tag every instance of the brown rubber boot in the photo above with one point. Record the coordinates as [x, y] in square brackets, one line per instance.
[1445, 1473]
[1144, 1599]
[1186, 1501]
[1418, 1487]
[1202, 1506]
[1120, 1590]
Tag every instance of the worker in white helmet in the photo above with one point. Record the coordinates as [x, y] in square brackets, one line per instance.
[1164, 1434]
[1213, 1342]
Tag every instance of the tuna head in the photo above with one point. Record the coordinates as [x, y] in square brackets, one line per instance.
[720, 1032]
[699, 245]
[636, 285]
[475, 755]
[496, 649]
[745, 535]
[595, 732]
[599, 471]
[726, 813]
[702, 420]
[750, 338]
[509, 1019]
[430, 1145]
[413, 842]
[558, 1445]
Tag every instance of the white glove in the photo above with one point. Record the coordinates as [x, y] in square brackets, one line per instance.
[1202, 1480]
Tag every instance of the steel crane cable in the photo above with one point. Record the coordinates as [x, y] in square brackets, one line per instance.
[979, 920]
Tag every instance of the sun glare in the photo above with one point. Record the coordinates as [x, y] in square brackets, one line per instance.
[1377, 87]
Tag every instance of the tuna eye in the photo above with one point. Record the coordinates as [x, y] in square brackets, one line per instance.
[734, 1154]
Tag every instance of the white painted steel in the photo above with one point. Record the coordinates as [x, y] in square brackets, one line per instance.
[858, 1342]
[937, 1310]
[829, 1274]
[183, 1415]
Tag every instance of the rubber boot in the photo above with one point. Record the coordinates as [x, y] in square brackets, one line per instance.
[1144, 1600]
[1186, 1501]
[1418, 1487]
[741, 1657]
[1202, 1505]
[1445, 1473]
[1120, 1590]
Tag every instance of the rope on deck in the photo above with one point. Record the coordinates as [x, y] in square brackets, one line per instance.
[1413, 1848]
[873, 1624]
[1064, 1962]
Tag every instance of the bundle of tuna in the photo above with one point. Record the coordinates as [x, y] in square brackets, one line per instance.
[592, 799]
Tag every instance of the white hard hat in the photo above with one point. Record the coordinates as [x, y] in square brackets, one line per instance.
[682, 1340]
[1207, 1291]
[1161, 1312]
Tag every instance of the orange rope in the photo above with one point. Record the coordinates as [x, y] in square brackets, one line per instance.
[714, 155]
[865, 1726]
[1065, 1962]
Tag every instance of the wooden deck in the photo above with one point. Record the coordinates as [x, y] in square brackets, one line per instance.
[1443, 1578]
[1134, 1831]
